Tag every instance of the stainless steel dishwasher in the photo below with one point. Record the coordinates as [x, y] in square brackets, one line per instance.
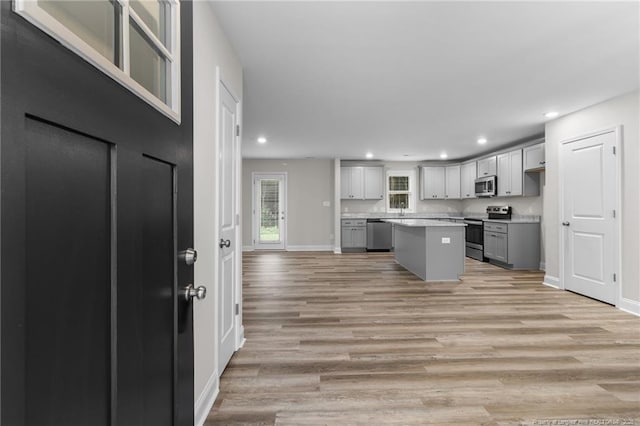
[378, 235]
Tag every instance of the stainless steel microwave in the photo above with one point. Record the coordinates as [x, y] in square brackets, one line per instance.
[486, 186]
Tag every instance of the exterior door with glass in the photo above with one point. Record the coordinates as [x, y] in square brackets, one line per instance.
[269, 211]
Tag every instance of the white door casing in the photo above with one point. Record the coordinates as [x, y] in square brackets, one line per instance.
[590, 215]
[279, 241]
[227, 226]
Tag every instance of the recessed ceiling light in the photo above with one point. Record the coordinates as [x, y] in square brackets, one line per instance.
[369, 155]
[262, 139]
[482, 141]
[551, 114]
[443, 155]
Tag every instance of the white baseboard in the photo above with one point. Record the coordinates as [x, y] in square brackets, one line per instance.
[241, 337]
[247, 248]
[337, 250]
[310, 248]
[205, 401]
[630, 306]
[543, 266]
[552, 282]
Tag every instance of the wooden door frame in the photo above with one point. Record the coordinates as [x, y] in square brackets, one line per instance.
[254, 216]
[617, 243]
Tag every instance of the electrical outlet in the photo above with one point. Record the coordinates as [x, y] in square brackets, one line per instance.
[326, 203]
[446, 240]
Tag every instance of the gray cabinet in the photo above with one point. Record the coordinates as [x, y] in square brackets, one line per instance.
[432, 183]
[351, 183]
[468, 174]
[534, 159]
[440, 182]
[487, 166]
[512, 245]
[354, 234]
[361, 183]
[452, 182]
[510, 173]
[373, 183]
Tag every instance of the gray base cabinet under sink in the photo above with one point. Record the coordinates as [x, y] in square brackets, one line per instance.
[512, 245]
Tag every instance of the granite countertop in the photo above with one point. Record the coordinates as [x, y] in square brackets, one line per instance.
[383, 215]
[422, 223]
[514, 220]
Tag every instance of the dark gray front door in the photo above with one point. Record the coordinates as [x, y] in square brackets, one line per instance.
[96, 200]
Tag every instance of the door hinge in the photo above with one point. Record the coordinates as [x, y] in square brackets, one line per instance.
[237, 308]
[614, 278]
[614, 150]
[237, 130]
[614, 213]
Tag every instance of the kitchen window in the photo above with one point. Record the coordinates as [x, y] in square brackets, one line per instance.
[400, 191]
[135, 42]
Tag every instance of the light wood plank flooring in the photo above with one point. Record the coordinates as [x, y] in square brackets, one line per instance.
[356, 339]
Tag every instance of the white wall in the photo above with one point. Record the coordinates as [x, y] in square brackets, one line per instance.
[210, 51]
[623, 110]
[310, 225]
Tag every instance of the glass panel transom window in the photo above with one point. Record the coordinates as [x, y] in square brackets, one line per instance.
[136, 42]
[400, 191]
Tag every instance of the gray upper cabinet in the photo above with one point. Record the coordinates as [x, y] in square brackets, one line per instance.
[468, 175]
[362, 183]
[510, 173]
[487, 166]
[351, 183]
[432, 183]
[374, 183]
[452, 182]
[440, 182]
[534, 159]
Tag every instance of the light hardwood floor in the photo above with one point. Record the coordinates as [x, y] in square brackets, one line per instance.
[356, 339]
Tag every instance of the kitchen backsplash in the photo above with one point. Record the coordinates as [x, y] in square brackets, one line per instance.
[435, 206]
[522, 206]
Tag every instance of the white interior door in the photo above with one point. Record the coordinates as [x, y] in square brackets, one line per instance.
[269, 206]
[227, 227]
[588, 219]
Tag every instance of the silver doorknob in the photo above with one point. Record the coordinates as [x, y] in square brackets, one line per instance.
[190, 292]
[566, 223]
[225, 243]
[188, 256]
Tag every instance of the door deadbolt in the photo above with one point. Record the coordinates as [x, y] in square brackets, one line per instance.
[225, 243]
[191, 292]
[188, 256]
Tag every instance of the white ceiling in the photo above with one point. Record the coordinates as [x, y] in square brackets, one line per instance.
[409, 80]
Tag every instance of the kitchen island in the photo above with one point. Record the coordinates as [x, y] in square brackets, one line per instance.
[431, 249]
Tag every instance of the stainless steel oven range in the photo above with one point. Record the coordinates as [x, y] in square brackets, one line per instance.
[474, 238]
[475, 230]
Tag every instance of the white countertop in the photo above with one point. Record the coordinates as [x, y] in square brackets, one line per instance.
[422, 223]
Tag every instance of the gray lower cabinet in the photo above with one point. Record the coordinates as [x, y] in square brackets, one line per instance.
[354, 234]
[512, 245]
